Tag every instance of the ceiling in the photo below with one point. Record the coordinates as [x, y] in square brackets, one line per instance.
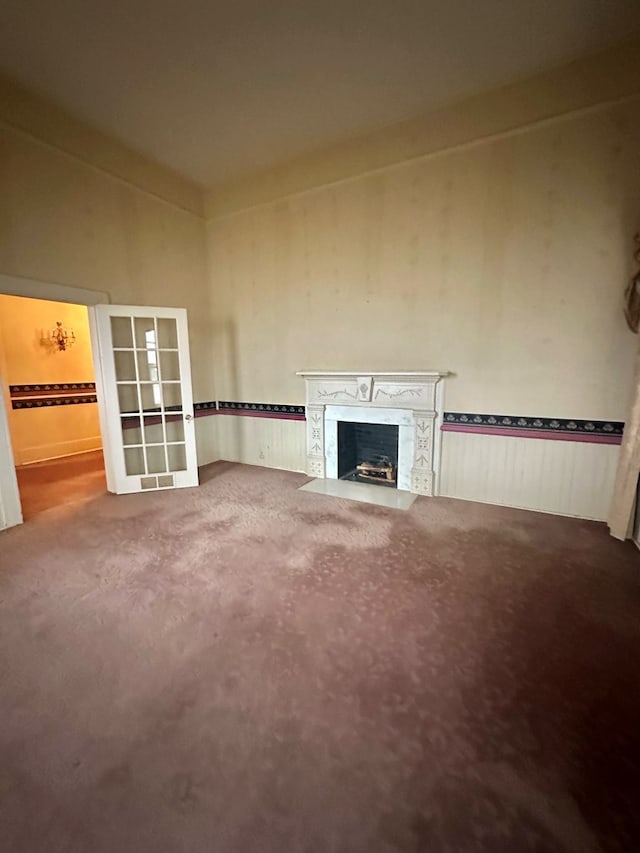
[217, 90]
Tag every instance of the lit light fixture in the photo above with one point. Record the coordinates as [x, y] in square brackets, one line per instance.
[62, 338]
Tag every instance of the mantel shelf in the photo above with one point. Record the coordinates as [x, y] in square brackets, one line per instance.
[405, 374]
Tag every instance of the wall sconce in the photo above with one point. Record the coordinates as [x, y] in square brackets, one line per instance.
[62, 338]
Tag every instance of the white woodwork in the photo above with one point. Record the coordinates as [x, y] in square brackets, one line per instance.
[118, 480]
[562, 477]
[410, 399]
[34, 289]
[10, 508]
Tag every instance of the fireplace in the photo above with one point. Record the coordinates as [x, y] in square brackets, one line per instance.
[368, 453]
[409, 401]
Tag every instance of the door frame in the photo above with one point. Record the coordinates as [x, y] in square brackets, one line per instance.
[10, 506]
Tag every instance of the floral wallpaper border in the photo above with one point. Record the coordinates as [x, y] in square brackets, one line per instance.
[562, 429]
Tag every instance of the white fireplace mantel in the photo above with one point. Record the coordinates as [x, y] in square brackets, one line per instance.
[410, 399]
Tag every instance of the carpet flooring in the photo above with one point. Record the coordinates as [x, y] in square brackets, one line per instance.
[247, 667]
[66, 480]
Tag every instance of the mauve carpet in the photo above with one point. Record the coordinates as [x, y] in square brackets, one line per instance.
[246, 667]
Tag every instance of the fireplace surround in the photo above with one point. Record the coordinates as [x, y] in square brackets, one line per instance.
[412, 400]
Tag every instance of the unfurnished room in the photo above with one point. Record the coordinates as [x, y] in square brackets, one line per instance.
[319, 427]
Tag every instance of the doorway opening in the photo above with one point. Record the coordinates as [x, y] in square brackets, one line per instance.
[132, 404]
[49, 385]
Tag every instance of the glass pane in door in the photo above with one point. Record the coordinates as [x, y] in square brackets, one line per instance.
[128, 398]
[145, 332]
[150, 397]
[169, 365]
[156, 459]
[121, 332]
[172, 395]
[167, 334]
[177, 457]
[175, 428]
[153, 432]
[131, 432]
[148, 365]
[125, 366]
[134, 460]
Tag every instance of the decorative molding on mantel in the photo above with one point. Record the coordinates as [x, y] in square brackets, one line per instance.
[385, 388]
[386, 397]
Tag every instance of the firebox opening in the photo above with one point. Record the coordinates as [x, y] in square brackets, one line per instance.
[368, 453]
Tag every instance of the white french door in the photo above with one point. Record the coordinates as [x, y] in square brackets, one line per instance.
[143, 381]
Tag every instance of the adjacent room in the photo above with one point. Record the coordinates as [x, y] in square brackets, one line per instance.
[45, 352]
[319, 427]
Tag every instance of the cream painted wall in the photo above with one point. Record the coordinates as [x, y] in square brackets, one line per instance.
[588, 82]
[46, 433]
[35, 117]
[261, 441]
[504, 262]
[66, 221]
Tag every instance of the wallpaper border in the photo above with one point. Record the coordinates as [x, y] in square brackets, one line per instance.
[48, 394]
[210, 407]
[48, 388]
[558, 429]
[519, 426]
[52, 402]
[282, 411]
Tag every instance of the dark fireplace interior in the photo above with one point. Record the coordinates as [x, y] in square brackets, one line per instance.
[368, 453]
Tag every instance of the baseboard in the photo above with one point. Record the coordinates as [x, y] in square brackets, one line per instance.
[46, 452]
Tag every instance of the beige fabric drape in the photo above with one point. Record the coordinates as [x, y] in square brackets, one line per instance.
[624, 491]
